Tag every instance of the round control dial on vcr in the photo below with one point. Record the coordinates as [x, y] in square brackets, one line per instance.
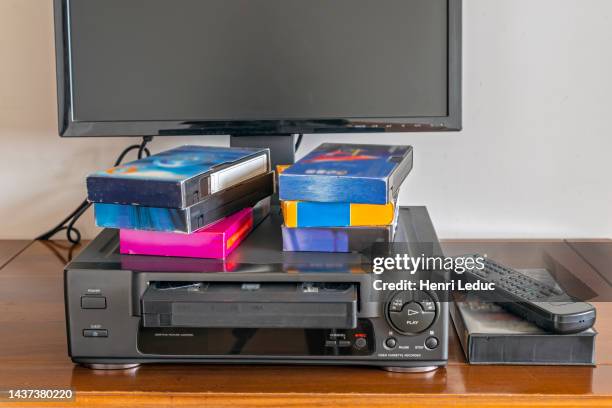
[411, 312]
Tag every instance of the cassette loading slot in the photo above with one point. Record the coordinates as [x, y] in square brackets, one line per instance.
[250, 305]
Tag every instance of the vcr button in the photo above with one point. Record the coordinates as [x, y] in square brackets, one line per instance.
[93, 302]
[412, 319]
[399, 300]
[95, 333]
[431, 343]
[425, 300]
[360, 342]
[428, 306]
[390, 342]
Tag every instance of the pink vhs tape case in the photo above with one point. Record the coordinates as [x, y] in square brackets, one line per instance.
[216, 241]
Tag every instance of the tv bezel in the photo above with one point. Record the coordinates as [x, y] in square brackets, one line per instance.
[68, 127]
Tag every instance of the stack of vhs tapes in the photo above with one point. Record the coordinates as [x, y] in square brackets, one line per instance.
[342, 198]
[191, 201]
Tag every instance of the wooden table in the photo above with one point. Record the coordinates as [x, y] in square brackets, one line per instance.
[33, 351]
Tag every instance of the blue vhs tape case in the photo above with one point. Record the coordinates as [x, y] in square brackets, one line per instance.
[341, 239]
[177, 178]
[190, 219]
[349, 173]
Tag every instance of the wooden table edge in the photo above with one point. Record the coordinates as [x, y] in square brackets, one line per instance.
[158, 398]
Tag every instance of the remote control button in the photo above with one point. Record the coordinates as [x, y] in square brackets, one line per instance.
[557, 290]
[431, 342]
[390, 342]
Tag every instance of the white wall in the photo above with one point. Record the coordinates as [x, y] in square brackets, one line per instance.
[534, 159]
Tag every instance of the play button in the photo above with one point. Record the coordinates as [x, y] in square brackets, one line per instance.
[412, 319]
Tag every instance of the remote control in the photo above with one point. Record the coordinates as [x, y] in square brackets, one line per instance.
[547, 306]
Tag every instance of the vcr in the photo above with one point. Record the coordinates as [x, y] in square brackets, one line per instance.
[261, 305]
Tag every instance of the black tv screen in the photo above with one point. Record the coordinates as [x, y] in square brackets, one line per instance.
[147, 66]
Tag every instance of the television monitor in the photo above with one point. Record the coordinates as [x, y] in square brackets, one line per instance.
[257, 67]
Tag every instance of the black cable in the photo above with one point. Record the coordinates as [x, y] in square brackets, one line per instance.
[72, 233]
[298, 142]
[143, 146]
